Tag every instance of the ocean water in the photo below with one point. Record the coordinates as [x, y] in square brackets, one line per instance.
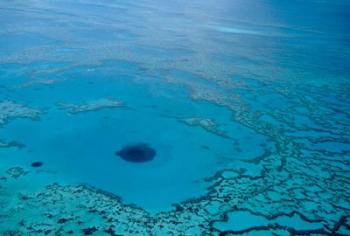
[224, 117]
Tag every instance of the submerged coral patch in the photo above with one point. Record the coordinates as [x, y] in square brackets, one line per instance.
[37, 164]
[4, 144]
[137, 153]
[91, 105]
[16, 172]
[10, 110]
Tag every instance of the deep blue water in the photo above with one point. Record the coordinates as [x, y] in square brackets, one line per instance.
[245, 105]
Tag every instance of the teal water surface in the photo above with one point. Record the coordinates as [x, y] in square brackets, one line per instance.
[244, 103]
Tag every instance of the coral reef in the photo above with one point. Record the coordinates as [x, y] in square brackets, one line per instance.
[11, 110]
[275, 197]
[16, 172]
[293, 95]
[205, 123]
[91, 105]
[47, 82]
[301, 188]
[4, 144]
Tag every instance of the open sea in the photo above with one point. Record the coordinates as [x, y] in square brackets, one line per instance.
[178, 117]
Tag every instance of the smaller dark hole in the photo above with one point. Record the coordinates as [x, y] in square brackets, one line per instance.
[37, 164]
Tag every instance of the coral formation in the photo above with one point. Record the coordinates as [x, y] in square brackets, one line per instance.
[16, 172]
[91, 105]
[206, 123]
[4, 144]
[10, 110]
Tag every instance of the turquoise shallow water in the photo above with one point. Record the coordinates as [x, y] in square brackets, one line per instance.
[246, 105]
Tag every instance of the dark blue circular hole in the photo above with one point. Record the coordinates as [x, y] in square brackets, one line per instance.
[37, 164]
[137, 153]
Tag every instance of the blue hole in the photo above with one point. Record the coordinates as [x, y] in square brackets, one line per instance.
[137, 153]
